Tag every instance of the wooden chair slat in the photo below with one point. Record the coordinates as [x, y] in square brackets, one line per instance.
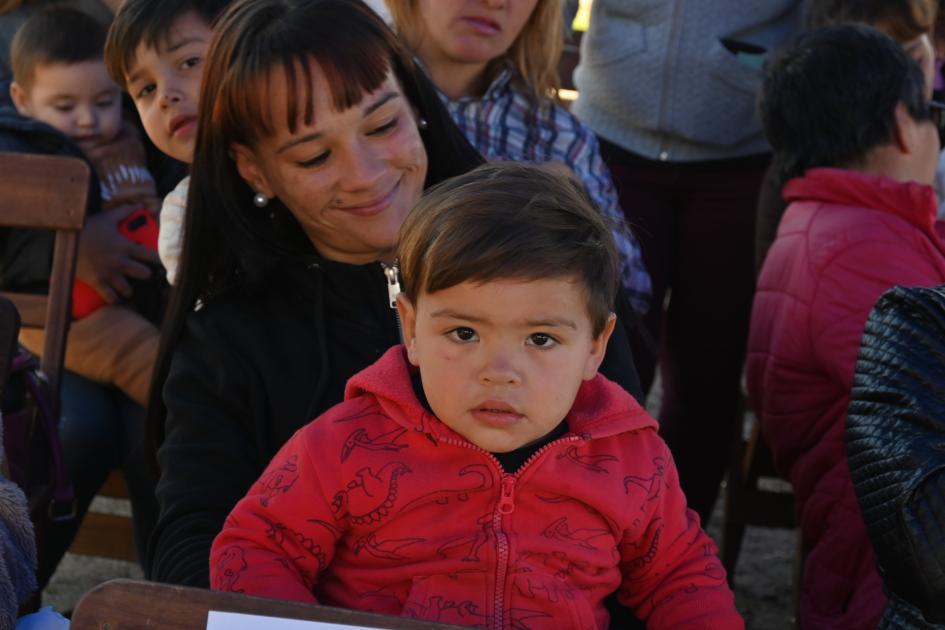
[53, 189]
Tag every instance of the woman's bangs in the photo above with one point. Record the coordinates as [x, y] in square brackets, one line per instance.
[356, 73]
[248, 108]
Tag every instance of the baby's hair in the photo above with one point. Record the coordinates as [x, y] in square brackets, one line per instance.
[506, 220]
[148, 22]
[57, 35]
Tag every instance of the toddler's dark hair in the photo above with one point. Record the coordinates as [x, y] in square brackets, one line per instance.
[507, 220]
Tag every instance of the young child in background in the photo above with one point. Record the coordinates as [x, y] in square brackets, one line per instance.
[59, 78]
[155, 51]
[497, 72]
[485, 474]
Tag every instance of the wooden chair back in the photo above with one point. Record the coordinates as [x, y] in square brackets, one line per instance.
[52, 193]
[133, 604]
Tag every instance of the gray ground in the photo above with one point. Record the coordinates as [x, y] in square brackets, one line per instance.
[763, 578]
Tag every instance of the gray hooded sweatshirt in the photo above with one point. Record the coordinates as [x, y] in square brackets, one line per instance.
[672, 80]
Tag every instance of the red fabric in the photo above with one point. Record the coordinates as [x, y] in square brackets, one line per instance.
[845, 239]
[377, 505]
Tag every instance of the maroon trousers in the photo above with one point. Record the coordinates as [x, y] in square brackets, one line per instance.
[696, 226]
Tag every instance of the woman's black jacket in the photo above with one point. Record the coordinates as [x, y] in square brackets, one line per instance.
[895, 440]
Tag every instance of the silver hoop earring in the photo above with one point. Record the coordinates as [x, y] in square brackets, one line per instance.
[260, 200]
[422, 124]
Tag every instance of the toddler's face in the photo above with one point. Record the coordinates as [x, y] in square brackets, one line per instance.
[502, 361]
[164, 83]
[78, 99]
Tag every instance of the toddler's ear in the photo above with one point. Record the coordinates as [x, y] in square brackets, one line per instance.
[20, 99]
[599, 348]
[408, 323]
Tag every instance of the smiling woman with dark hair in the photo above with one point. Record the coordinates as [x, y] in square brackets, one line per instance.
[310, 152]
[316, 135]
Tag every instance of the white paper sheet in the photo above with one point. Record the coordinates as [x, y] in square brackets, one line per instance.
[217, 620]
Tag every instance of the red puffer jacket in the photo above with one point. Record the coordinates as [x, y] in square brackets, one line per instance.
[377, 505]
[845, 239]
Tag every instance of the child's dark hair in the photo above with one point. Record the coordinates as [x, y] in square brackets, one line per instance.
[55, 35]
[507, 220]
[832, 99]
[148, 22]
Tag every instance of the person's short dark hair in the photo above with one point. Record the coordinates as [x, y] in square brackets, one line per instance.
[904, 20]
[832, 98]
[57, 35]
[148, 22]
[508, 220]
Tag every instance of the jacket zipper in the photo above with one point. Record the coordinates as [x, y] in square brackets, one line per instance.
[668, 69]
[506, 506]
[392, 273]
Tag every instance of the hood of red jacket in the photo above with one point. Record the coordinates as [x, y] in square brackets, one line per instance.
[602, 408]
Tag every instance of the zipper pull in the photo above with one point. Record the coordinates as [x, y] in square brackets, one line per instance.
[393, 283]
[507, 500]
[392, 273]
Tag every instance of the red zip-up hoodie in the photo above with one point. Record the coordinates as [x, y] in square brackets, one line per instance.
[377, 505]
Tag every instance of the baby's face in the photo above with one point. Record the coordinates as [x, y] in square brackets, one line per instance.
[502, 361]
[164, 83]
[78, 99]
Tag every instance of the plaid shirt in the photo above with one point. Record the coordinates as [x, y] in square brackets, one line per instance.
[506, 124]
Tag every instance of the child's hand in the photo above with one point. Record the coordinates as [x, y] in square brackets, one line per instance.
[107, 259]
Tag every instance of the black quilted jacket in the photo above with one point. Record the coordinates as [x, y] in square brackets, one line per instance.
[895, 440]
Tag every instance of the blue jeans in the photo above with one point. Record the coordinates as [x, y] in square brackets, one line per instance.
[101, 430]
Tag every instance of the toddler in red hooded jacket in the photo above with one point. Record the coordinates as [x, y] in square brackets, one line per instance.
[483, 473]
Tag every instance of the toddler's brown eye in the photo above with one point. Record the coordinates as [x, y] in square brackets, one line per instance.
[463, 334]
[541, 340]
